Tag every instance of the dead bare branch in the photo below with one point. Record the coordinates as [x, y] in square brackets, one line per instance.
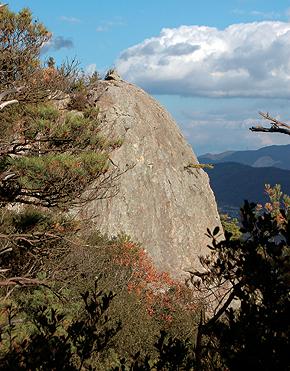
[10, 91]
[22, 281]
[276, 125]
[8, 103]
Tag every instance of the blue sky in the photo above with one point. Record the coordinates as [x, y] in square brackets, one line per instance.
[212, 64]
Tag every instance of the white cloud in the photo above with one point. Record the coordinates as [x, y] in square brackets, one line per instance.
[265, 15]
[108, 25]
[56, 43]
[243, 60]
[102, 29]
[258, 14]
[70, 19]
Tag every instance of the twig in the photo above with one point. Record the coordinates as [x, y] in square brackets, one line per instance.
[22, 281]
[276, 125]
[8, 103]
[10, 91]
[274, 121]
[222, 310]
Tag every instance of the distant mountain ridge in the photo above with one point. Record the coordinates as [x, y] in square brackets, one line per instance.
[233, 183]
[272, 156]
[242, 175]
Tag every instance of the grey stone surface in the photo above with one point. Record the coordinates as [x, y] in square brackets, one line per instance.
[159, 204]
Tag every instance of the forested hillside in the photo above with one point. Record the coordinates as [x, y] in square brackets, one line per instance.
[233, 183]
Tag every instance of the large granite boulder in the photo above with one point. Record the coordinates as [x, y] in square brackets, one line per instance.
[162, 202]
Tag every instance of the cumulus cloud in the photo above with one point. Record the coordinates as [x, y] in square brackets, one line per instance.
[243, 60]
[57, 43]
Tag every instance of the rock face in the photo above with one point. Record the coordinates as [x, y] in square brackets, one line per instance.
[161, 202]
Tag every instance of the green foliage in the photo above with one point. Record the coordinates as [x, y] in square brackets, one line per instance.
[171, 354]
[55, 156]
[52, 130]
[146, 301]
[44, 112]
[49, 159]
[52, 173]
[231, 226]
[21, 38]
[56, 343]
[254, 272]
[38, 143]
[30, 237]
[26, 220]
[198, 166]
[277, 201]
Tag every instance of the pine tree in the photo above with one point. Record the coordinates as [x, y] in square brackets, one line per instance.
[50, 159]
